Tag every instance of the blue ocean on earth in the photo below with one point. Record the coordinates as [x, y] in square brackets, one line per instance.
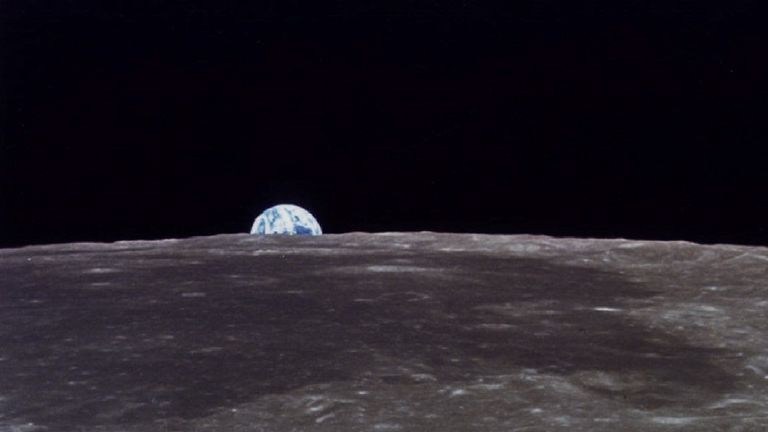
[286, 219]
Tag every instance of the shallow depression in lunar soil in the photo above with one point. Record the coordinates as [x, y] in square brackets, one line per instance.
[384, 332]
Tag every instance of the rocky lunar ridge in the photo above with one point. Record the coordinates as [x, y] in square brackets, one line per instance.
[384, 332]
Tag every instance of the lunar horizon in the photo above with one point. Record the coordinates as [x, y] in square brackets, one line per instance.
[385, 331]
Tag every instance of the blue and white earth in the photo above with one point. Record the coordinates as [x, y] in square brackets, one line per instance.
[286, 219]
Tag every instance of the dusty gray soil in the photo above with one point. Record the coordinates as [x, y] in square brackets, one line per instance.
[384, 332]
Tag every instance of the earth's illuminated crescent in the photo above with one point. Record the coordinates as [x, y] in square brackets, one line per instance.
[286, 219]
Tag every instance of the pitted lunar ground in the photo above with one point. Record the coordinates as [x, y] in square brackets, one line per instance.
[384, 332]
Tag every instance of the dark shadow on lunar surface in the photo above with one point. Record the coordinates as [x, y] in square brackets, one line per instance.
[152, 338]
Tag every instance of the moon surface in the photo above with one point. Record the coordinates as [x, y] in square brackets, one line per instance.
[384, 332]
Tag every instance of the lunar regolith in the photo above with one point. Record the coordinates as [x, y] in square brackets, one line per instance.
[384, 332]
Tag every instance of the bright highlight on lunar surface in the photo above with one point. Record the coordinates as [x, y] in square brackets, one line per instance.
[286, 219]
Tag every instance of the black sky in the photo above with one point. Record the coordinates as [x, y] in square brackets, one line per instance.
[156, 119]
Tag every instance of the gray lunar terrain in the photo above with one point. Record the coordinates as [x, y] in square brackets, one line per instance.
[383, 332]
